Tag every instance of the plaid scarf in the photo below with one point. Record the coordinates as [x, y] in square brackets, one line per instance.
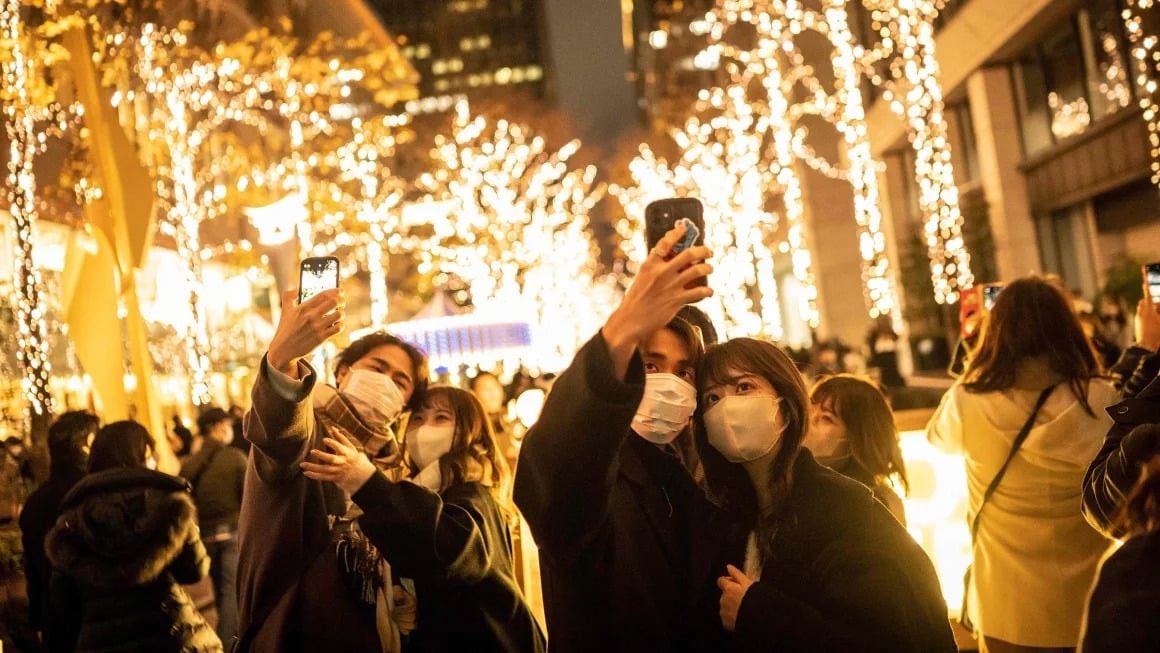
[336, 412]
[366, 574]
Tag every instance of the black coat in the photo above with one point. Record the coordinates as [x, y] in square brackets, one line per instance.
[630, 549]
[1124, 607]
[125, 541]
[37, 518]
[1130, 443]
[458, 550]
[846, 577]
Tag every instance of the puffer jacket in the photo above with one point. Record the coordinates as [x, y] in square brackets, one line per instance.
[124, 542]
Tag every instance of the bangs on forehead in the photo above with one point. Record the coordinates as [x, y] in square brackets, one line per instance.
[437, 399]
[721, 365]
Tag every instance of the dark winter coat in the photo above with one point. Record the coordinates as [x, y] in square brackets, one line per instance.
[1124, 607]
[614, 518]
[217, 473]
[291, 595]
[1130, 443]
[37, 518]
[125, 541]
[846, 577]
[458, 550]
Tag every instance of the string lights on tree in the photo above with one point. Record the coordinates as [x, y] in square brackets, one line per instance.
[508, 218]
[756, 43]
[1145, 52]
[219, 125]
[20, 122]
[915, 94]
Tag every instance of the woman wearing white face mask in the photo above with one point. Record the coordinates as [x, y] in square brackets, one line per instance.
[827, 567]
[446, 527]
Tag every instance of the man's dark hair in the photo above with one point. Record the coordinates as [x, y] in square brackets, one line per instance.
[210, 418]
[120, 444]
[368, 343]
[68, 439]
[699, 319]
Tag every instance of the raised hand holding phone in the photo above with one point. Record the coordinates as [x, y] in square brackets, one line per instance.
[664, 283]
[661, 216]
[318, 314]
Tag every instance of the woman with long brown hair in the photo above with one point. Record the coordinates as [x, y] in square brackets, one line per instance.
[1028, 411]
[852, 432]
[447, 527]
[826, 566]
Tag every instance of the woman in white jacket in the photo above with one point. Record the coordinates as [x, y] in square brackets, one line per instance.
[1034, 555]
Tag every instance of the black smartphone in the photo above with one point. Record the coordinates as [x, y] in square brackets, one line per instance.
[316, 274]
[662, 215]
[1152, 280]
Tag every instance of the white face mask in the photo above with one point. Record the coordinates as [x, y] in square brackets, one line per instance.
[665, 409]
[426, 444]
[375, 396]
[744, 427]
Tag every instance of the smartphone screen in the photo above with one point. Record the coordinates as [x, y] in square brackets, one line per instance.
[1152, 279]
[316, 274]
[990, 293]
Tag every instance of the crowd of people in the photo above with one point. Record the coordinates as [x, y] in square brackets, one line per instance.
[684, 494]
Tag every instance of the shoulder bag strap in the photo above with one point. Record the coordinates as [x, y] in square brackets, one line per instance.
[195, 477]
[1019, 439]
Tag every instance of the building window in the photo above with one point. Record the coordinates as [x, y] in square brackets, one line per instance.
[1106, 58]
[1076, 76]
[1066, 249]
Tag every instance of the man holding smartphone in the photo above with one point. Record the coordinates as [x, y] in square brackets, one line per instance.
[1135, 436]
[307, 580]
[603, 486]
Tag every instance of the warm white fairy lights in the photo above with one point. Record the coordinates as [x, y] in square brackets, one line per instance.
[733, 124]
[914, 92]
[194, 115]
[1146, 61]
[508, 218]
[20, 127]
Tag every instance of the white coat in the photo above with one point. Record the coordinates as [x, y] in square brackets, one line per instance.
[1034, 556]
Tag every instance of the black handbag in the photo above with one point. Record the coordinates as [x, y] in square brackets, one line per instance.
[964, 617]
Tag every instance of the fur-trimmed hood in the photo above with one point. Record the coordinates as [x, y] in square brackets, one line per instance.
[122, 527]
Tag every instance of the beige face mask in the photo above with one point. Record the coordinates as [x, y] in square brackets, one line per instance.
[374, 396]
[744, 427]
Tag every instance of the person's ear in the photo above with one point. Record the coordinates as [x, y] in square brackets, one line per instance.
[340, 374]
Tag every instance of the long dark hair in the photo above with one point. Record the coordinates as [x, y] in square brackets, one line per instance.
[368, 343]
[870, 429]
[120, 444]
[1031, 318]
[474, 441]
[68, 440]
[728, 481]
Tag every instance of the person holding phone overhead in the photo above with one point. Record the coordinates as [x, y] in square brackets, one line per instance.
[605, 492]
[1026, 416]
[1135, 435]
[308, 579]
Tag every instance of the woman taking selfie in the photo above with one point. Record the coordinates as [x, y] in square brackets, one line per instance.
[827, 567]
[446, 528]
[852, 432]
[1028, 416]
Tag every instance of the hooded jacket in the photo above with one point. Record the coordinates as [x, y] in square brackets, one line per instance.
[1035, 556]
[125, 541]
